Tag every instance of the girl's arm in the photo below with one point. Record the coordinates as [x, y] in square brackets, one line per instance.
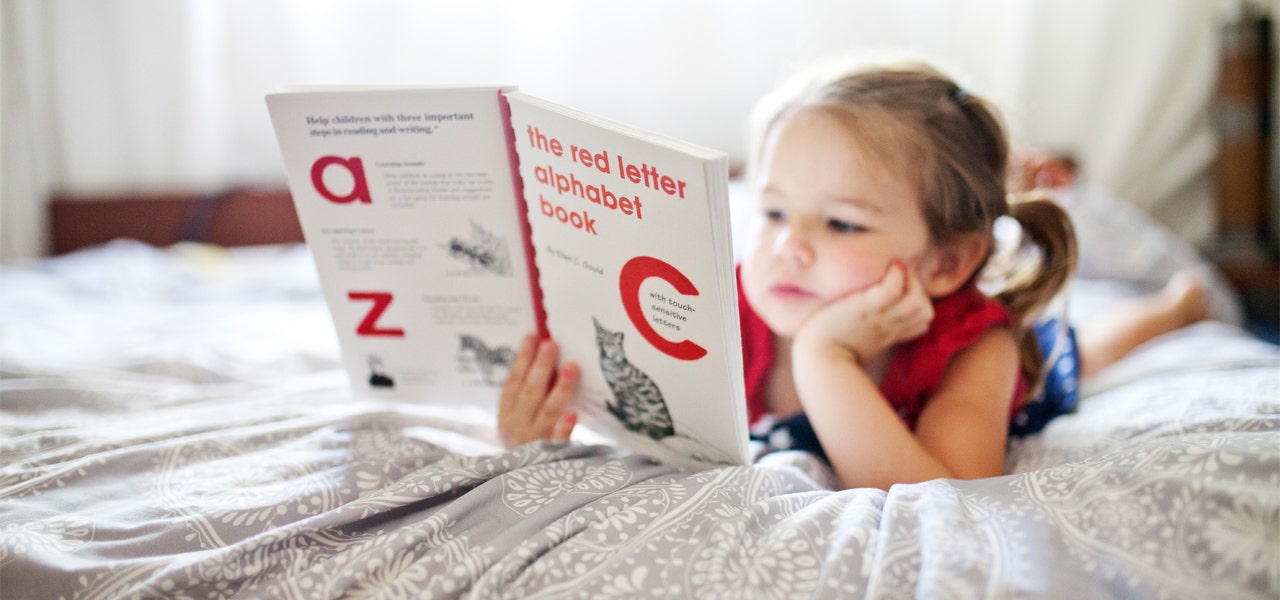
[966, 423]
[961, 433]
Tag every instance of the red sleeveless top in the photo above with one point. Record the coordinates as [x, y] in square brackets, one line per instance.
[916, 368]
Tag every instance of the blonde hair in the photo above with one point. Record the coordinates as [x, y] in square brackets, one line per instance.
[920, 123]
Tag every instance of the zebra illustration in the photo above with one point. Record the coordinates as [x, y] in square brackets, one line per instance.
[488, 359]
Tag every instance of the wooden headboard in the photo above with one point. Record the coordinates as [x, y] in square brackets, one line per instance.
[238, 217]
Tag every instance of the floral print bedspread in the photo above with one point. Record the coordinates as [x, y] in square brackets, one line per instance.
[204, 446]
[1164, 487]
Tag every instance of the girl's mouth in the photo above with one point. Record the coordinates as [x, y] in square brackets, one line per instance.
[790, 292]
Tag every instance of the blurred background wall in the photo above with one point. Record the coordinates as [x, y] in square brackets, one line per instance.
[116, 98]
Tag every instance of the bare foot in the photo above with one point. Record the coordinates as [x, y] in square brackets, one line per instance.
[1187, 298]
[1184, 300]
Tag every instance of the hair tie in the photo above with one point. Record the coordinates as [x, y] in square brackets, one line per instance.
[960, 95]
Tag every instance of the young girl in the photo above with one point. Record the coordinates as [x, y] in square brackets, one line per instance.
[866, 338]
[880, 191]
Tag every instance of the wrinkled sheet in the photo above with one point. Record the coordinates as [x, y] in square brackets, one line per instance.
[175, 424]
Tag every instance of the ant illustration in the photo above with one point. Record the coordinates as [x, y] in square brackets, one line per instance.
[484, 251]
[478, 256]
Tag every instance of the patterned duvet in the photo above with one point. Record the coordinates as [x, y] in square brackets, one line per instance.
[196, 440]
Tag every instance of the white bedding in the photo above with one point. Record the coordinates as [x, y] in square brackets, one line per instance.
[175, 423]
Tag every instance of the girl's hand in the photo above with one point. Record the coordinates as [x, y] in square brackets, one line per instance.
[869, 321]
[531, 407]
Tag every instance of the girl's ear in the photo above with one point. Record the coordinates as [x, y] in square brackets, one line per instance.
[948, 266]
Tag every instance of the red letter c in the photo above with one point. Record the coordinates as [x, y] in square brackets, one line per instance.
[633, 274]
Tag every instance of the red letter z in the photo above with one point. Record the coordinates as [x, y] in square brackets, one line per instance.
[369, 326]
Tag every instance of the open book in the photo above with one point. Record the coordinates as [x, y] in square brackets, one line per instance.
[447, 223]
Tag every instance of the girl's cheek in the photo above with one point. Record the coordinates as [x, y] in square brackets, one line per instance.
[857, 275]
[752, 281]
[763, 235]
[748, 271]
[761, 250]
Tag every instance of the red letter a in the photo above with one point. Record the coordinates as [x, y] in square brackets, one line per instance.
[359, 191]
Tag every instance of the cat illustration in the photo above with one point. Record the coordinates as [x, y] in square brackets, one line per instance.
[488, 358]
[639, 404]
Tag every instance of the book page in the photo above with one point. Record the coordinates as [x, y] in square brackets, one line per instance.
[408, 204]
[632, 244]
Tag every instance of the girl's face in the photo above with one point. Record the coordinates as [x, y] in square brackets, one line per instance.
[832, 220]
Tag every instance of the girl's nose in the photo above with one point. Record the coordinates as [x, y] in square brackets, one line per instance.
[793, 247]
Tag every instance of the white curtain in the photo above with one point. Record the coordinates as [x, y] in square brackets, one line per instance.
[119, 95]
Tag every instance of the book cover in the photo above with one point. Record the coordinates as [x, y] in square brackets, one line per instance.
[446, 223]
[630, 237]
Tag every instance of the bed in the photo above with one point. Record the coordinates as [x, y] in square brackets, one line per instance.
[176, 423]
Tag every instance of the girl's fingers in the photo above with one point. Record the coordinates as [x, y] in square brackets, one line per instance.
[906, 273]
[564, 426]
[538, 378]
[887, 292]
[912, 288]
[894, 279]
[516, 376]
[531, 407]
[553, 407]
[553, 413]
[917, 309]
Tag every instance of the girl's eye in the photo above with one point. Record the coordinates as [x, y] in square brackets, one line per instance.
[839, 226]
[774, 216]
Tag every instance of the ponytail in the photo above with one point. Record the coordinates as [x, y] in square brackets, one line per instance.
[1030, 273]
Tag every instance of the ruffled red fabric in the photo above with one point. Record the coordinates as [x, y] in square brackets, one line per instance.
[757, 355]
[914, 372]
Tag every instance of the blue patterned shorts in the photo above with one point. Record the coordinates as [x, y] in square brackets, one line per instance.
[1061, 380]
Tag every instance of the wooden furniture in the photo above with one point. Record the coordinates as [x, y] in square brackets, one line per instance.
[239, 217]
[1247, 245]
